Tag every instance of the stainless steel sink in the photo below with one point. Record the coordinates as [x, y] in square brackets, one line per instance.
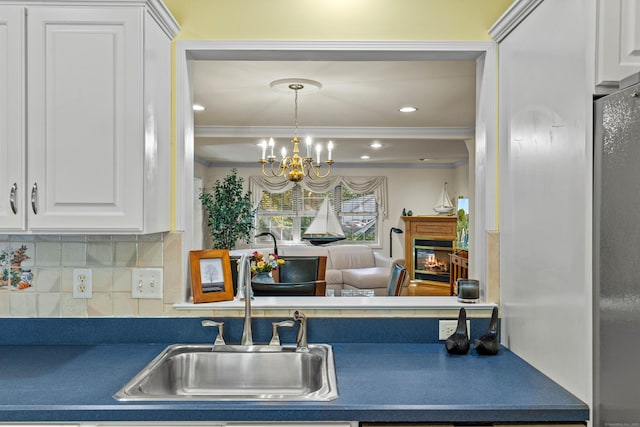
[228, 372]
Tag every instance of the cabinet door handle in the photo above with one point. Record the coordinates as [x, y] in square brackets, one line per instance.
[34, 195]
[12, 198]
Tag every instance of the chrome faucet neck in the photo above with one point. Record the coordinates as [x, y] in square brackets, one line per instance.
[244, 282]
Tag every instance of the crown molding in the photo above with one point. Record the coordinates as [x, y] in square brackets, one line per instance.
[336, 166]
[156, 9]
[337, 132]
[163, 17]
[511, 18]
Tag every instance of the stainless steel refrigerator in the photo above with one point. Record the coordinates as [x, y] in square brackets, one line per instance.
[616, 263]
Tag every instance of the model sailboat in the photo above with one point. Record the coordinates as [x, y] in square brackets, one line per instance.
[444, 205]
[325, 228]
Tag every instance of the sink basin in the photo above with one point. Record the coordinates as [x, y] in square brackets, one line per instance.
[228, 372]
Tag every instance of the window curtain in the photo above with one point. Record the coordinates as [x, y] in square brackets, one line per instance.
[358, 184]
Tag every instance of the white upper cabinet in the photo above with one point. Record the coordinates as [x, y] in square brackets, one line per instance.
[12, 123]
[98, 119]
[618, 41]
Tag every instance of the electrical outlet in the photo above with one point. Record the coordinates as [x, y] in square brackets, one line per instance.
[146, 283]
[82, 283]
[448, 327]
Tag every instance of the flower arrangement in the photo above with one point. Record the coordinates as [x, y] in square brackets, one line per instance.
[265, 264]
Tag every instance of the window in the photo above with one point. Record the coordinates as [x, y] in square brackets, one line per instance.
[288, 212]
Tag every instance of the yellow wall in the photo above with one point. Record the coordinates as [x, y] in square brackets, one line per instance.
[336, 19]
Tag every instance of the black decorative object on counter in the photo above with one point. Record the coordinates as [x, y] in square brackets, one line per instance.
[458, 342]
[488, 344]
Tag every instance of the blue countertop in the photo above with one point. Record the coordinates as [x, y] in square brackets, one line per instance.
[388, 370]
[377, 382]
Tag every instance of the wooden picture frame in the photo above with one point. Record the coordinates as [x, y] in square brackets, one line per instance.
[211, 275]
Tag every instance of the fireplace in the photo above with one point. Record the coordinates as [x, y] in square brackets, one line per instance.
[431, 259]
[429, 240]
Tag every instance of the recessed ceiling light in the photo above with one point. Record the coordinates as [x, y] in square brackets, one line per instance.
[365, 157]
[197, 107]
[408, 109]
[375, 144]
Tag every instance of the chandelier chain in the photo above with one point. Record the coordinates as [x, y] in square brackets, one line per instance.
[296, 87]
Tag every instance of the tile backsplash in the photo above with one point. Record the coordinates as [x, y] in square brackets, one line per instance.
[52, 259]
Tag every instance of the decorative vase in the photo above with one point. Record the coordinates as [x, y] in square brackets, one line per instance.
[264, 277]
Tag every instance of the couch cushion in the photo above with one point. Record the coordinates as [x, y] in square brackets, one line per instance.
[333, 277]
[307, 251]
[351, 256]
[366, 278]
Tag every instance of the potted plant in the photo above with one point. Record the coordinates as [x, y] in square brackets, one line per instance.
[229, 211]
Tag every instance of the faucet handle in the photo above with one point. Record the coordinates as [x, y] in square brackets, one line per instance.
[275, 339]
[220, 325]
[301, 344]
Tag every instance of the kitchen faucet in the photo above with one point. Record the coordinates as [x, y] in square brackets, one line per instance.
[244, 283]
[301, 341]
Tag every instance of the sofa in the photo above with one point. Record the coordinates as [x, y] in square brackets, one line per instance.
[349, 266]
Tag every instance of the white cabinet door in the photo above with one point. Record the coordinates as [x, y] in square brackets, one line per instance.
[85, 118]
[618, 46]
[12, 136]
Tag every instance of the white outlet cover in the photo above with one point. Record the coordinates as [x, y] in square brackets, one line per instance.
[82, 285]
[146, 283]
[448, 327]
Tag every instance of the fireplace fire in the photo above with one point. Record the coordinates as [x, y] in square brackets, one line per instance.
[432, 259]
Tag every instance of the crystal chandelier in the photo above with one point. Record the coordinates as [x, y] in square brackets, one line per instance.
[295, 167]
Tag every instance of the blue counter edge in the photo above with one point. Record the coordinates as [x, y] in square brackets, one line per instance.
[369, 415]
[87, 331]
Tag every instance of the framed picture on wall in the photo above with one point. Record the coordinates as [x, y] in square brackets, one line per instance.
[211, 275]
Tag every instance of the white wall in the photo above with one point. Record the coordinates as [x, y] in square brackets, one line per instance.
[546, 83]
[415, 189]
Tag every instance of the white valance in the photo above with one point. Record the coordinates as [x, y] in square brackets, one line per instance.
[358, 184]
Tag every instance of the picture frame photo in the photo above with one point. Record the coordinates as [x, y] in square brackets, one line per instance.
[210, 275]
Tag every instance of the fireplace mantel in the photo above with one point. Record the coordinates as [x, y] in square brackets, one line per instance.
[428, 242]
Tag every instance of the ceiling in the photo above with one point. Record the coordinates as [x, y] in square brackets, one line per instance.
[357, 104]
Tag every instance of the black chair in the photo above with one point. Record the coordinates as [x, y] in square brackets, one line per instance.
[396, 279]
[300, 269]
[311, 288]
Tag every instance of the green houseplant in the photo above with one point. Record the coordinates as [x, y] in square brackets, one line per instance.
[229, 212]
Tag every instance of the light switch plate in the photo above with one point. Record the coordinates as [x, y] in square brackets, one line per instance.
[146, 283]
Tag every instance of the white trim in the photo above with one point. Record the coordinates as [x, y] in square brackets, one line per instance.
[360, 165]
[338, 132]
[483, 210]
[184, 138]
[484, 52]
[333, 50]
[432, 306]
[163, 17]
[156, 9]
[512, 17]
